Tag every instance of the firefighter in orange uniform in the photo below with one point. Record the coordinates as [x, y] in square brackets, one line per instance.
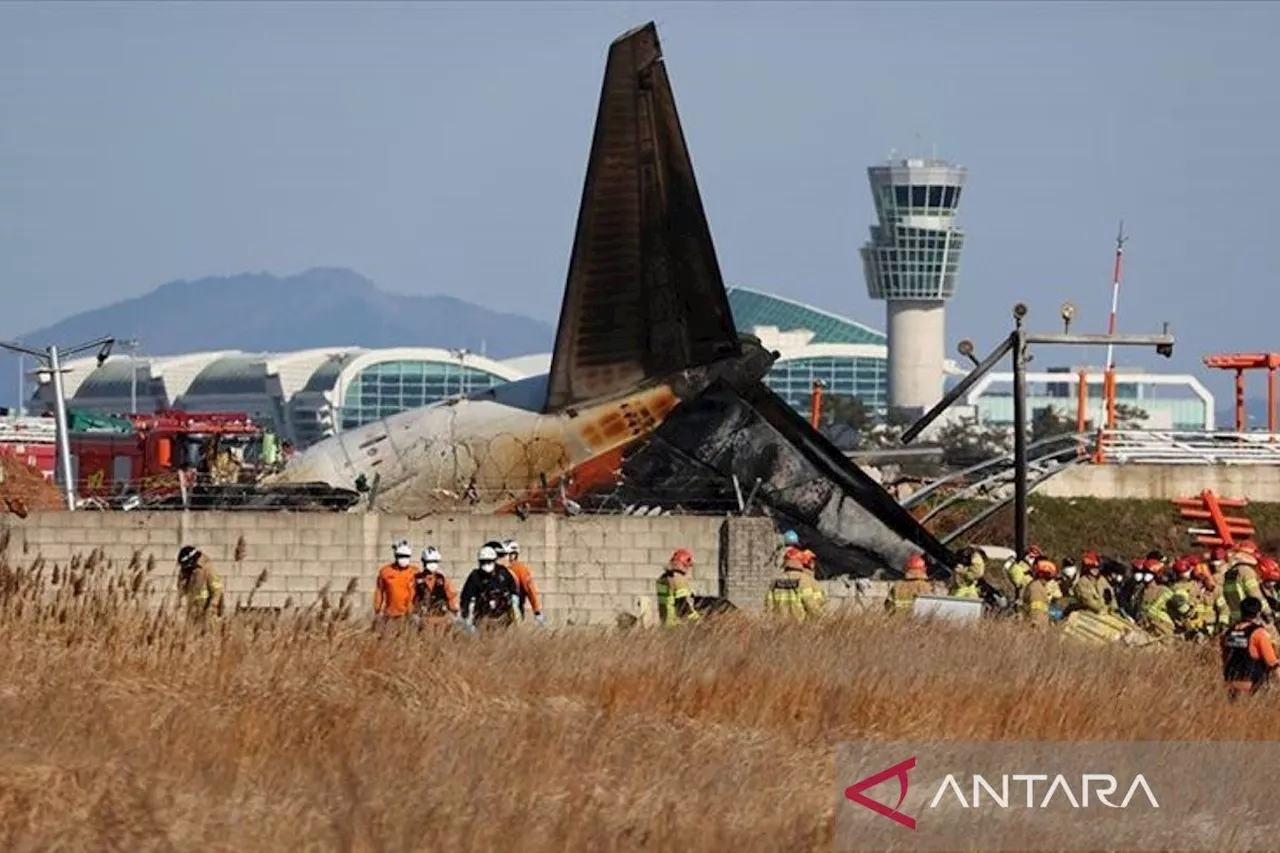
[526, 587]
[434, 598]
[393, 591]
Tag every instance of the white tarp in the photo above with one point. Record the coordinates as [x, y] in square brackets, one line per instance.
[945, 607]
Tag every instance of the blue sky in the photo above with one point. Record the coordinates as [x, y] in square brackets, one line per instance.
[440, 148]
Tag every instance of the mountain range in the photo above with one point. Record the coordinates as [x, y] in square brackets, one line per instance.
[322, 307]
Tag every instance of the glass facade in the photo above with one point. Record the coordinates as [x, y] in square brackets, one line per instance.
[386, 389]
[858, 376]
[914, 250]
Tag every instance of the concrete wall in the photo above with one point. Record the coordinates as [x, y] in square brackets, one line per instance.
[588, 568]
[1259, 483]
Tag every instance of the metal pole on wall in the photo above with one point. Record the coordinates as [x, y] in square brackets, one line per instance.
[64, 438]
[1020, 534]
[22, 384]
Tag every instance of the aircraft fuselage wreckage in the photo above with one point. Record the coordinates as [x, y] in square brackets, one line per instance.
[651, 388]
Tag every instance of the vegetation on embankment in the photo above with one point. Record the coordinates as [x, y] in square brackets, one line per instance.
[1121, 528]
[125, 730]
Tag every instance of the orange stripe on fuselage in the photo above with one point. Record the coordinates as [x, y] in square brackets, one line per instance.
[605, 432]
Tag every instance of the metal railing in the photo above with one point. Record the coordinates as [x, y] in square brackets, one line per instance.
[1167, 447]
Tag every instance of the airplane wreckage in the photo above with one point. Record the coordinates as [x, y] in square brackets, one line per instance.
[652, 395]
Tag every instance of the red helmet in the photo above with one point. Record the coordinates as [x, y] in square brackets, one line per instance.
[1182, 566]
[682, 558]
[1091, 560]
[1154, 566]
[1034, 552]
[916, 567]
[1218, 553]
[1268, 569]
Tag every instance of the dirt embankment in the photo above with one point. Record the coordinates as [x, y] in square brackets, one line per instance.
[1067, 526]
[24, 489]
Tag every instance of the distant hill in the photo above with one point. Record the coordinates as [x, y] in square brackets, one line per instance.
[321, 307]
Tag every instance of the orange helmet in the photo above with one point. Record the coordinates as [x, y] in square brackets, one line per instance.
[1045, 568]
[1091, 560]
[682, 558]
[916, 567]
[795, 558]
[1202, 573]
[1268, 569]
[810, 558]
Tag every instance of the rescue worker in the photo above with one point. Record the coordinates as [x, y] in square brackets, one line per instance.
[488, 593]
[1020, 571]
[1248, 655]
[526, 587]
[1187, 589]
[1093, 592]
[1163, 609]
[1268, 579]
[434, 598]
[1213, 606]
[1240, 581]
[198, 583]
[794, 592]
[675, 593]
[1218, 565]
[902, 594]
[393, 592]
[964, 580]
[1037, 594]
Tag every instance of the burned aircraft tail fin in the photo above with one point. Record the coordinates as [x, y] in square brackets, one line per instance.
[644, 296]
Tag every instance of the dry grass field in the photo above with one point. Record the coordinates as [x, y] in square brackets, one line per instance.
[130, 731]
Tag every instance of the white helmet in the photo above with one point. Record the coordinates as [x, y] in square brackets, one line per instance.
[402, 549]
[512, 546]
[430, 554]
[487, 555]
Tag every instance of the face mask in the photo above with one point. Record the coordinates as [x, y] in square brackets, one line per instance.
[487, 567]
[402, 561]
[433, 567]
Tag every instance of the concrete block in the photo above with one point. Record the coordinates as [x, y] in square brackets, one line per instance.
[601, 587]
[284, 537]
[299, 583]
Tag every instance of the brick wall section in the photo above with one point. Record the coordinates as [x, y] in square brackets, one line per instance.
[751, 550]
[588, 568]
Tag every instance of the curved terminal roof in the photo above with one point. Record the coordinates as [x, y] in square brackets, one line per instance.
[751, 309]
[530, 365]
[239, 373]
[353, 366]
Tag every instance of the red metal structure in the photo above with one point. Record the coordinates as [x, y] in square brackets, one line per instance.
[1227, 529]
[1240, 362]
[815, 405]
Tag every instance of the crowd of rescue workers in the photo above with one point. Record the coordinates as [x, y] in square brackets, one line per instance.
[1228, 593]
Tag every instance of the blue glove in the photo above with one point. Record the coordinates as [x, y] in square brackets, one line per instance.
[1055, 613]
[540, 619]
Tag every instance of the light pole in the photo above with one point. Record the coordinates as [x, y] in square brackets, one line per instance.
[51, 357]
[22, 384]
[1018, 342]
[132, 344]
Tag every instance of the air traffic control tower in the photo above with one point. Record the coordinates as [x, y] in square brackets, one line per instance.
[911, 262]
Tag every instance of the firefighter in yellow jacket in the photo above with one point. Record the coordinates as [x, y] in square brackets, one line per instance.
[902, 594]
[1240, 581]
[198, 583]
[1040, 592]
[1092, 591]
[675, 593]
[794, 592]
[964, 580]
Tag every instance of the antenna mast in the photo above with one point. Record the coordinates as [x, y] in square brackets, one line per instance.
[1109, 379]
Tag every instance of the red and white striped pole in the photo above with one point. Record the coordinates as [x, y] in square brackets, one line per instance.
[1109, 380]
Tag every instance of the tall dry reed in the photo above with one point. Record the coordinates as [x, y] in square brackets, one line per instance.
[125, 728]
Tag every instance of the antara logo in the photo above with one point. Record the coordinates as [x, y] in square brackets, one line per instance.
[1102, 786]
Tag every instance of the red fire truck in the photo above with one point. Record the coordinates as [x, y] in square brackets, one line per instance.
[34, 441]
[143, 454]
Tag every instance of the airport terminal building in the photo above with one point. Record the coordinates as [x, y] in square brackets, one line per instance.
[308, 395]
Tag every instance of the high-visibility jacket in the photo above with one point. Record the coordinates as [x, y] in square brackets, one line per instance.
[902, 594]
[794, 593]
[1199, 615]
[1035, 601]
[202, 588]
[1161, 606]
[1095, 594]
[1020, 574]
[1238, 583]
[675, 599]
